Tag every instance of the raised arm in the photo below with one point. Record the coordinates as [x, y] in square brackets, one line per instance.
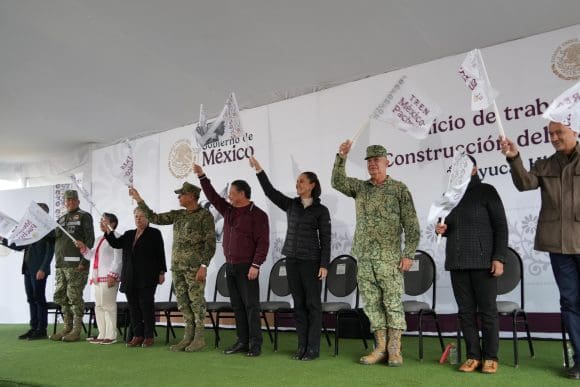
[153, 217]
[339, 180]
[278, 198]
[210, 193]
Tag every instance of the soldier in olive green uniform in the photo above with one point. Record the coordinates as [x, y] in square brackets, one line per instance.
[384, 210]
[193, 247]
[72, 269]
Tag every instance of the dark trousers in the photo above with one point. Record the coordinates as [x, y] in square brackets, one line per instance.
[35, 295]
[245, 300]
[305, 288]
[566, 268]
[476, 292]
[142, 311]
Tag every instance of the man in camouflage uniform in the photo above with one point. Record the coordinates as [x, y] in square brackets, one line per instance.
[384, 210]
[72, 269]
[193, 247]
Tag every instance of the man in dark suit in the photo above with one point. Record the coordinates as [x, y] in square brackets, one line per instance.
[36, 268]
[143, 269]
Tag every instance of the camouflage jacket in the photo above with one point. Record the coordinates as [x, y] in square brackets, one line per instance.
[79, 224]
[383, 213]
[193, 235]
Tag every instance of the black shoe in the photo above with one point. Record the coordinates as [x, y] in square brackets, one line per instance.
[254, 351]
[38, 335]
[574, 372]
[299, 353]
[236, 348]
[310, 355]
[25, 336]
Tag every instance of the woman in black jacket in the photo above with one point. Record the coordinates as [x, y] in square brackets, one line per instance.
[307, 249]
[143, 269]
[477, 240]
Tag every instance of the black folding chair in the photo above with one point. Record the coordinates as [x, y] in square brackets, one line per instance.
[168, 309]
[341, 282]
[277, 284]
[417, 283]
[513, 275]
[219, 307]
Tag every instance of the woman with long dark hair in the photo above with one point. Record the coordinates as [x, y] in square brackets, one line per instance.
[307, 250]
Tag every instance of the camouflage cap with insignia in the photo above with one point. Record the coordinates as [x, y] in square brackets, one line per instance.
[188, 188]
[71, 194]
[376, 151]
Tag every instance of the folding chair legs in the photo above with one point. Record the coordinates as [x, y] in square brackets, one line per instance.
[564, 343]
[267, 327]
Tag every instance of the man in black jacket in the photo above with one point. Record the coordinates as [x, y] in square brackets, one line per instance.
[477, 237]
[36, 268]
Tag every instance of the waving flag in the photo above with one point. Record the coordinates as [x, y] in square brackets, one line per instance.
[227, 125]
[7, 224]
[33, 226]
[84, 193]
[407, 108]
[459, 178]
[472, 72]
[566, 108]
[125, 172]
[199, 131]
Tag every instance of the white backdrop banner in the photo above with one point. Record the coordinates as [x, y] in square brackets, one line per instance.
[303, 134]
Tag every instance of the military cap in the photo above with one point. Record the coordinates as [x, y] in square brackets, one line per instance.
[188, 188]
[71, 194]
[376, 151]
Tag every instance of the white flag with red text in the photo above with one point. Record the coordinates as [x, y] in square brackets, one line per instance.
[566, 108]
[33, 226]
[7, 224]
[472, 72]
[125, 171]
[408, 109]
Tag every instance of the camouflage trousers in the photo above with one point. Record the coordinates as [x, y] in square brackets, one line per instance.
[190, 297]
[381, 288]
[70, 284]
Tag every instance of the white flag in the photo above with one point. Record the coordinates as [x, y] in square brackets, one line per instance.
[33, 226]
[459, 178]
[408, 109]
[7, 224]
[472, 72]
[566, 108]
[85, 194]
[125, 173]
[198, 132]
[227, 125]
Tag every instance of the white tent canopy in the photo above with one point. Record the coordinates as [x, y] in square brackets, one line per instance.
[78, 74]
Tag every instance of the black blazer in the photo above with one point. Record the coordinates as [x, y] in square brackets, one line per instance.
[143, 262]
[37, 256]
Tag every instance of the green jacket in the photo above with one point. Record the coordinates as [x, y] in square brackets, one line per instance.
[193, 235]
[79, 224]
[558, 178]
[383, 213]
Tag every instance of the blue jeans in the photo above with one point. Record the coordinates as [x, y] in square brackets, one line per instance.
[35, 295]
[566, 268]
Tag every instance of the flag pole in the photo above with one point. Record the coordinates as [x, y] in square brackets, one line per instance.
[439, 236]
[495, 109]
[361, 129]
[66, 232]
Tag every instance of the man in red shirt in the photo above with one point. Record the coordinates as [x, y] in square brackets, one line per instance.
[246, 241]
